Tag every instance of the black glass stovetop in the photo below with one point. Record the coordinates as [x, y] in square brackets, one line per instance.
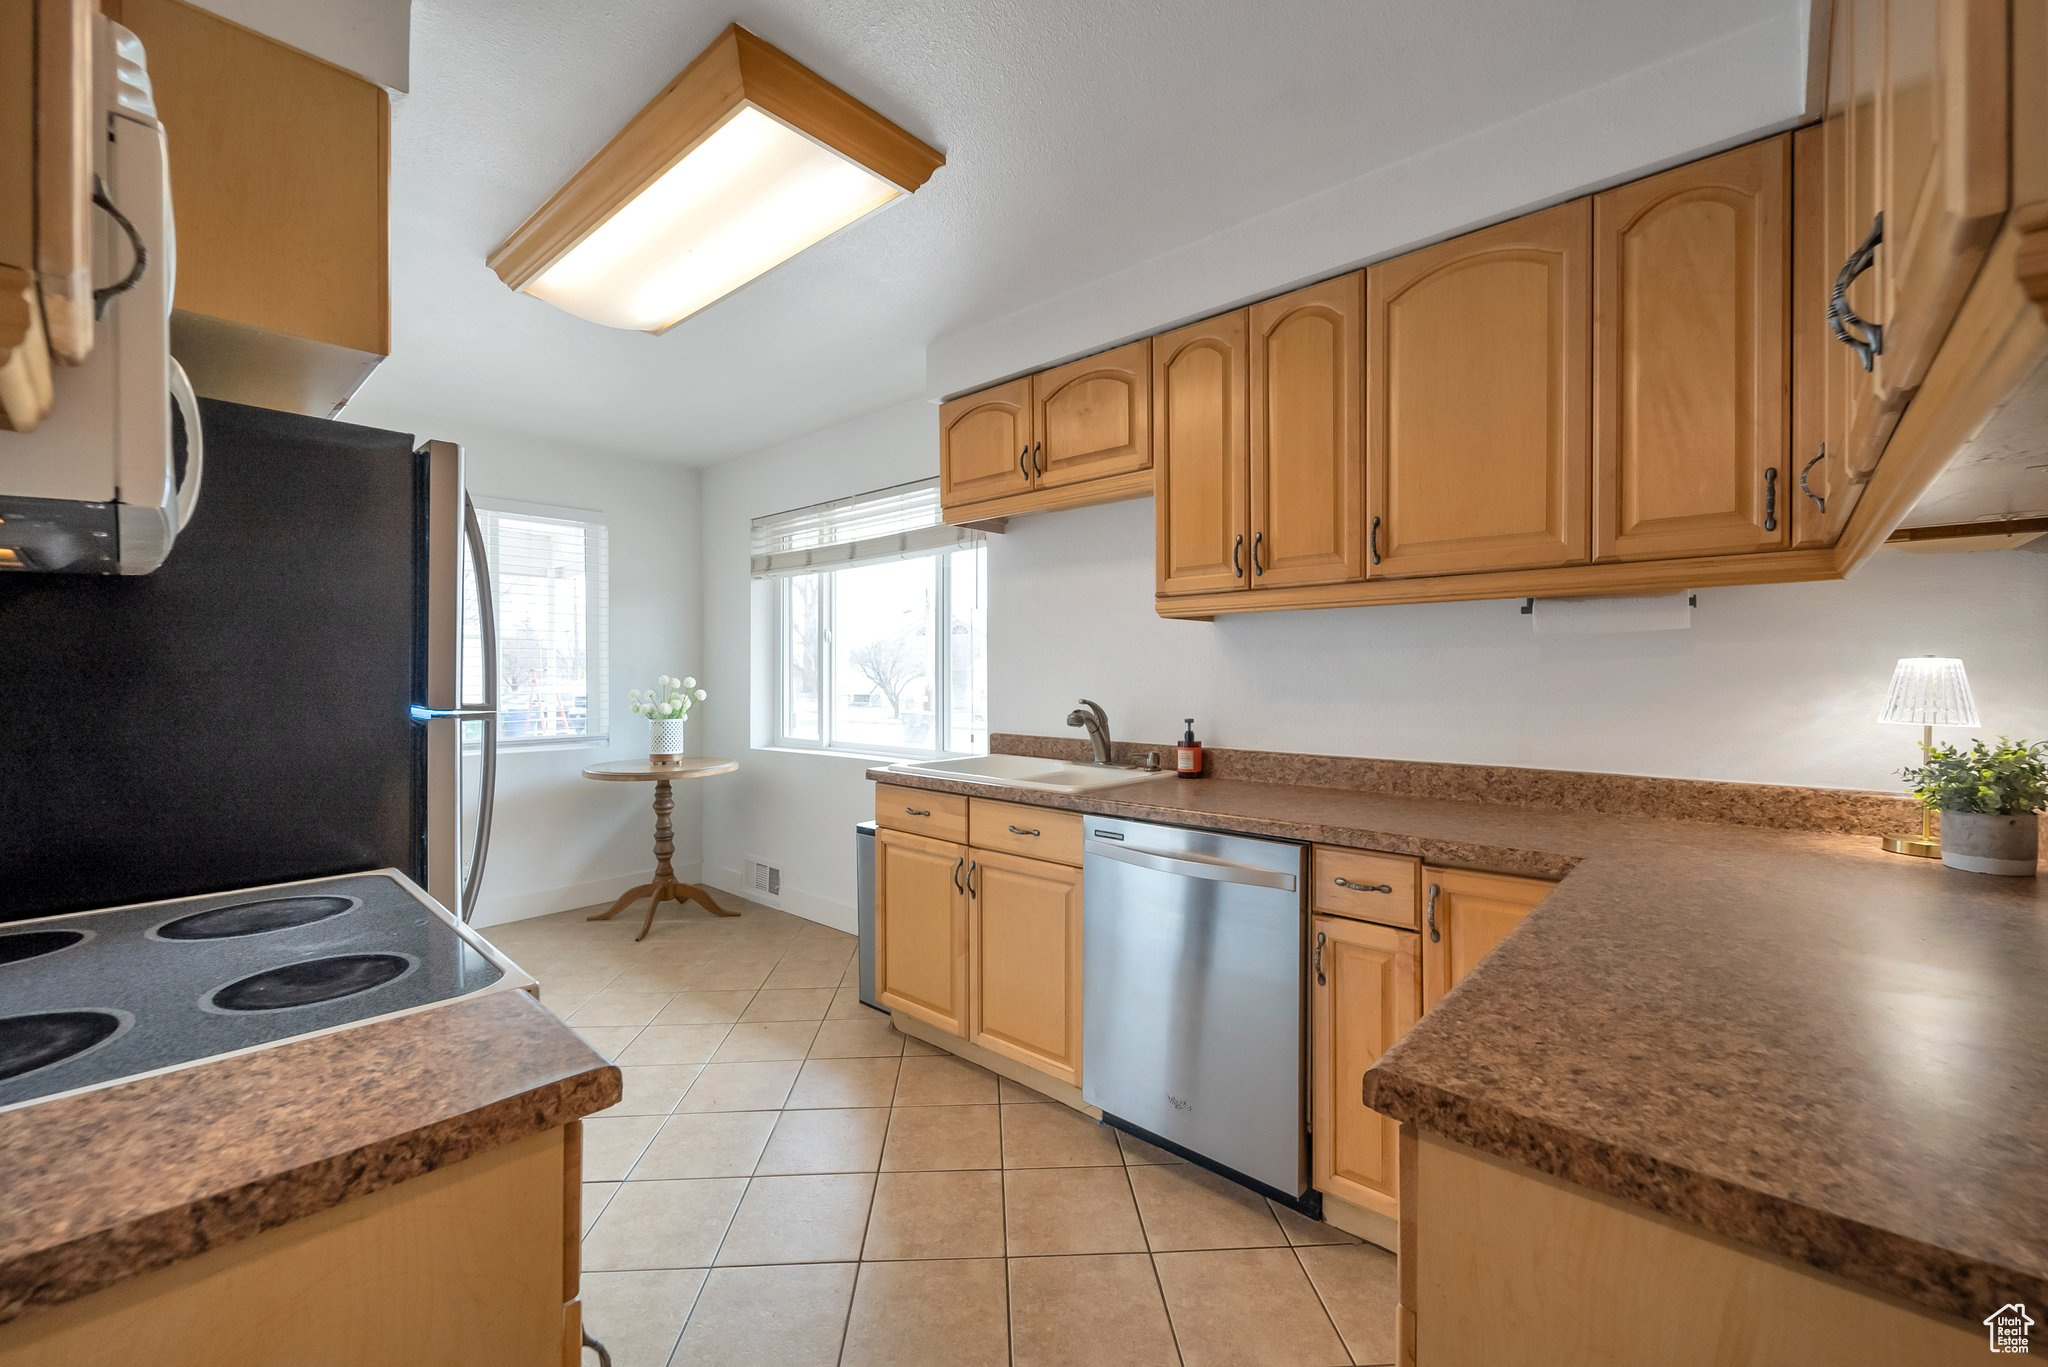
[99, 996]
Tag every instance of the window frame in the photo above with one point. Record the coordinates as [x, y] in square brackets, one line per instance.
[942, 686]
[596, 530]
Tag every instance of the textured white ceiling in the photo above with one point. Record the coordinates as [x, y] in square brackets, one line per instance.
[1082, 137]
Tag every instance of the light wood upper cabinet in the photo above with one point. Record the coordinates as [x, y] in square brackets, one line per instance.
[1917, 139]
[279, 164]
[1199, 394]
[1307, 467]
[46, 146]
[1477, 363]
[1464, 916]
[1093, 417]
[1025, 918]
[1943, 133]
[1365, 988]
[1690, 359]
[921, 928]
[1857, 422]
[1822, 493]
[985, 444]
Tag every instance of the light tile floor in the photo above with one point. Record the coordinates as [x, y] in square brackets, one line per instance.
[790, 1181]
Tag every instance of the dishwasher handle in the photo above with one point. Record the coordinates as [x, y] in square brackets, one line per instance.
[1198, 866]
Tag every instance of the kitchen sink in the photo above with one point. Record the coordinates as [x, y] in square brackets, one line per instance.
[1023, 771]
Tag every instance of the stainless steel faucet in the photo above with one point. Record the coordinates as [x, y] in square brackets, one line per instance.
[1096, 723]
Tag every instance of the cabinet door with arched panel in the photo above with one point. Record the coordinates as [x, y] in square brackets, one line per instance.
[1093, 417]
[1478, 391]
[1307, 436]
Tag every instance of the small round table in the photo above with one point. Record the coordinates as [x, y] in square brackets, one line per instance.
[664, 884]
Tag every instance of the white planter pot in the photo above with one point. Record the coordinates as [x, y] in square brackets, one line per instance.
[665, 738]
[1985, 842]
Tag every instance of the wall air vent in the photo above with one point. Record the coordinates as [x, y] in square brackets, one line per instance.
[764, 881]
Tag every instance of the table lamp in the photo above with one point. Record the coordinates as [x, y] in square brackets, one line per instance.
[1927, 691]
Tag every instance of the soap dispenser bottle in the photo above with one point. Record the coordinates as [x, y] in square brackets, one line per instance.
[1187, 756]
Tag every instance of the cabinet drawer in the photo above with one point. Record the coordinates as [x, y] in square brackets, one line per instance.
[1034, 832]
[942, 816]
[1372, 887]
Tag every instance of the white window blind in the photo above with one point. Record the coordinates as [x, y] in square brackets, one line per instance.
[549, 586]
[885, 525]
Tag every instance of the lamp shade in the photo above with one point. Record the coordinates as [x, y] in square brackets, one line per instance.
[1928, 690]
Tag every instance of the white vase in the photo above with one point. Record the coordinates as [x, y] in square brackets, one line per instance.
[1987, 842]
[665, 738]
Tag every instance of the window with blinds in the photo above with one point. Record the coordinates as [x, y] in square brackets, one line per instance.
[881, 615]
[548, 572]
[885, 525]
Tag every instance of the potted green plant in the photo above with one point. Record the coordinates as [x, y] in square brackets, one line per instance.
[667, 707]
[1990, 798]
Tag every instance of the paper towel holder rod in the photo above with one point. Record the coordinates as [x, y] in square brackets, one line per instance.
[1692, 600]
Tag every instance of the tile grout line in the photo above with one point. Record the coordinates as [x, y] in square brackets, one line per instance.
[1342, 1342]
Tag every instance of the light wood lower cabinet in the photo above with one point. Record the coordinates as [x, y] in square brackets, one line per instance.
[921, 928]
[1477, 359]
[1504, 1264]
[1365, 987]
[1024, 935]
[1465, 915]
[471, 1265]
[985, 943]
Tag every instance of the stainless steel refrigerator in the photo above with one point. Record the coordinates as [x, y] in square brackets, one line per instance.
[283, 699]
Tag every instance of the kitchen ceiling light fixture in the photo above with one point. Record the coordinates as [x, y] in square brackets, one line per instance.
[741, 162]
[1927, 691]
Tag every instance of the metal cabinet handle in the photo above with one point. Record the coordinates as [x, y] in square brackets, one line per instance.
[1024, 462]
[1819, 503]
[1038, 458]
[1019, 830]
[972, 891]
[1771, 499]
[1375, 541]
[914, 811]
[1364, 887]
[1430, 915]
[1841, 317]
[958, 865]
[1237, 557]
[1321, 981]
[1258, 540]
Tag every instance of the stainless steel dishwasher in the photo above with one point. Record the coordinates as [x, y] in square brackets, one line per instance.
[1193, 995]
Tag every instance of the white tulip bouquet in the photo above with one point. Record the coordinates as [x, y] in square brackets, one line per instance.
[669, 700]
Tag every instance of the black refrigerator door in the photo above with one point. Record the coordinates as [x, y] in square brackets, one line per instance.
[240, 716]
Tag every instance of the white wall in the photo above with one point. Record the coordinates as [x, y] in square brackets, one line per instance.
[1772, 684]
[793, 809]
[559, 839]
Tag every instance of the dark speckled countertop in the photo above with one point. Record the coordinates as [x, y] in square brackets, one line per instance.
[1790, 1039]
[103, 1185]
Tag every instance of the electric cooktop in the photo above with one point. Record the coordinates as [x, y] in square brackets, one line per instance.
[98, 997]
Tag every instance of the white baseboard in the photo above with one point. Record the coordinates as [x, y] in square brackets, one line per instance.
[824, 910]
[528, 903]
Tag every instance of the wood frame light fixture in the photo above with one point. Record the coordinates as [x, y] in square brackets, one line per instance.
[741, 162]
